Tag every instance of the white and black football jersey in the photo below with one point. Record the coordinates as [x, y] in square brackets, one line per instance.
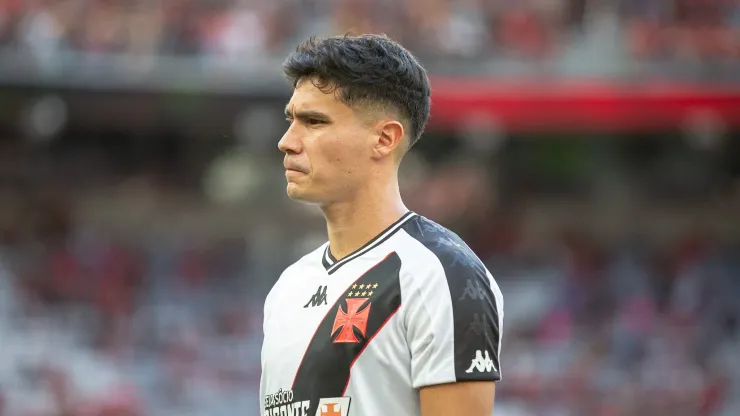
[359, 336]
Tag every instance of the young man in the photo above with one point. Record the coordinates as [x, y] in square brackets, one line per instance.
[394, 315]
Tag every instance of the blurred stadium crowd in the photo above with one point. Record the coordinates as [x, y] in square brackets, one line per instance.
[474, 29]
[123, 295]
[132, 272]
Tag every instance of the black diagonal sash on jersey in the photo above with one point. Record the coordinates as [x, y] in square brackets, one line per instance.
[324, 371]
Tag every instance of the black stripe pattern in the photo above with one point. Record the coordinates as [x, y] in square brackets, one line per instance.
[346, 330]
[474, 309]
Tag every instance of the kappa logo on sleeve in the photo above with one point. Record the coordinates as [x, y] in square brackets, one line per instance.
[478, 325]
[473, 290]
[484, 364]
[338, 406]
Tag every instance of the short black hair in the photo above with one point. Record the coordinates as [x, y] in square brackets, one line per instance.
[366, 70]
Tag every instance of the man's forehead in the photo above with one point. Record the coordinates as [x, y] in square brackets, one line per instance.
[312, 95]
[306, 94]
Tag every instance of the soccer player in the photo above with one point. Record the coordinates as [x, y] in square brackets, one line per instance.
[394, 315]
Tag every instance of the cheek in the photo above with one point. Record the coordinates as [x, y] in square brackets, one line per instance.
[333, 156]
[338, 156]
[347, 161]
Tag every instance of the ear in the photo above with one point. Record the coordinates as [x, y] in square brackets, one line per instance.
[389, 139]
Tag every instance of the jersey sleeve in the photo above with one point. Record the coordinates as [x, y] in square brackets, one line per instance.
[453, 319]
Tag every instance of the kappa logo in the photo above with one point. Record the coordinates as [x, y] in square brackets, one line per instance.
[478, 326]
[334, 407]
[473, 290]
[482, 363]
[317, 298]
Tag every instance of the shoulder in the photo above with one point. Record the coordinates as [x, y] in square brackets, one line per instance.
[444, 254]
[453, 304]
[443, 243]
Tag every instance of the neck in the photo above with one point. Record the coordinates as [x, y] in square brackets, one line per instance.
[350, 224]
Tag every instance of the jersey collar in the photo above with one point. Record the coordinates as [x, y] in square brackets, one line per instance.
[331, 264]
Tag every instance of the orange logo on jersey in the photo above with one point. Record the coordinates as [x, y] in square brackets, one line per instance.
[353, 318]
[332, 409]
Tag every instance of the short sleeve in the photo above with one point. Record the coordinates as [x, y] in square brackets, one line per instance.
[453, 319]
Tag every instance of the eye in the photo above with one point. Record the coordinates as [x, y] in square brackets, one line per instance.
[313, 121]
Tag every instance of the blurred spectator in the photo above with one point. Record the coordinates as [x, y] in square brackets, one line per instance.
[234, 30]
[124, 290]
[161, 324]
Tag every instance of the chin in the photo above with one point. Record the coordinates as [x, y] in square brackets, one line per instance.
[300, 194]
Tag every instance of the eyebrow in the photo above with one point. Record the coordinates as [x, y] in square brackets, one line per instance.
[307, 114]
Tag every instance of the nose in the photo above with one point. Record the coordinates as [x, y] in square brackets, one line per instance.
[290, 142]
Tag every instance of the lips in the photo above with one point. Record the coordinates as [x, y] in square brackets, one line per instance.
[294, 167]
